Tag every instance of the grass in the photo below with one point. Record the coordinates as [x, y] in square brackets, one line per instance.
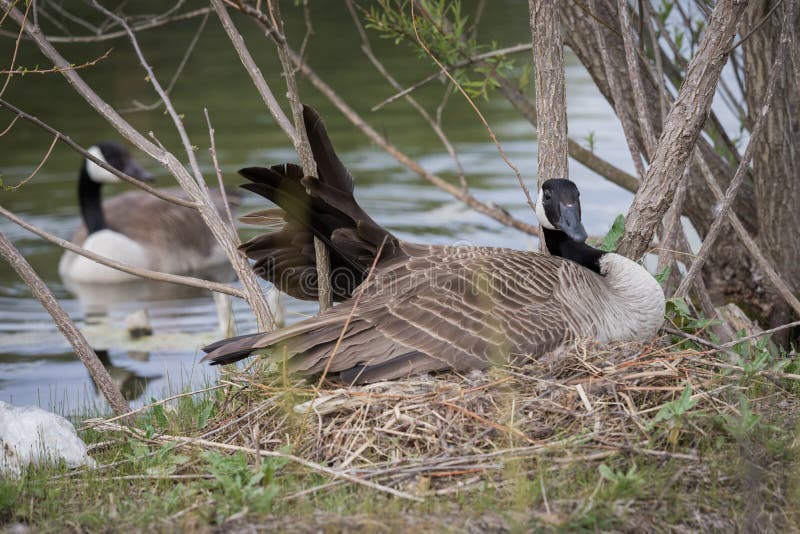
[653, 438]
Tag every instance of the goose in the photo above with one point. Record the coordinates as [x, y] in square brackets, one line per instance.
[135, 228]
[429, 308]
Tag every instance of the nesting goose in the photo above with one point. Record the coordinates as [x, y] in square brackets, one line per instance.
[430, 307]
[135, 227]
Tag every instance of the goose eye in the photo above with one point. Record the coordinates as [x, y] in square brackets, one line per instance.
[547, 195]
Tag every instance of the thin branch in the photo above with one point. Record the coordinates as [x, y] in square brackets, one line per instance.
[79, 344]
[36, 170]
[143, 273]
[151, 77]
[253, 70]
[435, 125]
[213, 151]
[777, 281]
[319, 468]
[478, 58]
[303, 149]
[619, 102]
[497, 214]
[184, 60]
[148, 24]
[86, 154]
[10, 69]
[475, 108]
[635, 76]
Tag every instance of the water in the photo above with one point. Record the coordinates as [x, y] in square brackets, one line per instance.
[37, 365]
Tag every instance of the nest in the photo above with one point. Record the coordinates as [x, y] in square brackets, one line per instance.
[445, 433]
[583, 402]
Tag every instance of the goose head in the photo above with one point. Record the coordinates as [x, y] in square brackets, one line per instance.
[558, 208]
[114, 155]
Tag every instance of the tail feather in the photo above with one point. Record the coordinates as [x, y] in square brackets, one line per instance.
[322, 207]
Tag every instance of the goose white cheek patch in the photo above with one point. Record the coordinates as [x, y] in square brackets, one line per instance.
[540, 214]
[96, 172]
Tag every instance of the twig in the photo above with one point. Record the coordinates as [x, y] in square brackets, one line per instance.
[36, 170]
[495, 213]
[86, 154]
[91, 424]
[66, 326]
[760, 334]
[253, 70]
[303, 149]
[752, 247]
[213, 151]
[636, 80]
[616, 94]
[475, 108]
[143, 273]
[151, 77]
[148, 24]
[267, 454]
[435, 125]
[184, 60]
[524, 47]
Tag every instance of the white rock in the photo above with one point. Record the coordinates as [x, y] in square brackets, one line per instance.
[30, 435]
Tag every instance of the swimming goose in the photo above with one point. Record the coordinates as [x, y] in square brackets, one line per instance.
[135, 227]
[430, 308]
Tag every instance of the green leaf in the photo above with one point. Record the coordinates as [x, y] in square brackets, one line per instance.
[613, 236]
[607, 473]
[662, 277]
[680, 306]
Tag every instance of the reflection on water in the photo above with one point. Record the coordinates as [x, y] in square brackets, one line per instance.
[37, 365]
[129, 382]
[96, 298]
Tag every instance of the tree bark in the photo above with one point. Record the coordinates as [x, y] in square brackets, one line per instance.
[682, 127]
[551, 101]
[776, 162]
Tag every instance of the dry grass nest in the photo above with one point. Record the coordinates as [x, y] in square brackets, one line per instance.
[441, 433]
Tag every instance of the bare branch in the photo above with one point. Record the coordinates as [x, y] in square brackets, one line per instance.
[86, 154]
[143, 273]
[253, 70]
[213, 151]
[616, 94]
[82, 348]
[303, 149]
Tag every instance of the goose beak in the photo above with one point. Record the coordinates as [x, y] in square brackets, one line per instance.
[570, 222]
[134, 170]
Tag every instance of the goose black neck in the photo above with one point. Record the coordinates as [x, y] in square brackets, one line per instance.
[89, 198]
[559, 244]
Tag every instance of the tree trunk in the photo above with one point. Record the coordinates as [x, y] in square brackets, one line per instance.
[728, 273]
[777, 158]
[551, 101]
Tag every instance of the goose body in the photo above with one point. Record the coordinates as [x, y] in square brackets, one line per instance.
[135, 227]
[431, 307]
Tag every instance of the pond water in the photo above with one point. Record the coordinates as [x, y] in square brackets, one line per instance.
[37, 366]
